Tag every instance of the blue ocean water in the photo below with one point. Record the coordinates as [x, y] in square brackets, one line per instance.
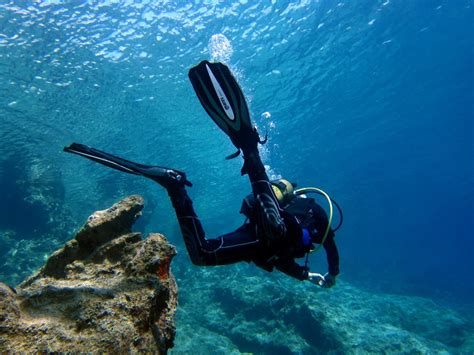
[370, 100]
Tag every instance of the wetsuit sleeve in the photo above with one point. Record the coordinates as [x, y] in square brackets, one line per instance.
[291, 268]
[332, 254]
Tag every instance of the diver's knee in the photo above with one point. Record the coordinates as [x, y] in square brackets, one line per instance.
[198, 260]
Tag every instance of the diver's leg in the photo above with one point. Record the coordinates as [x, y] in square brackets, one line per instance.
[223, 99]
[270, 222]
[227, 249]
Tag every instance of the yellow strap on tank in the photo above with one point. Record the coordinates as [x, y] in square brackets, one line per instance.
[305, 190]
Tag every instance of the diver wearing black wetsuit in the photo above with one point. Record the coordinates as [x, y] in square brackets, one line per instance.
[275, 233]
[304, 224]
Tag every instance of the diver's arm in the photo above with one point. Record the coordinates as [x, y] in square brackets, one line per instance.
[332, 254]
[291, 268]
[329, 279]
[321, 222]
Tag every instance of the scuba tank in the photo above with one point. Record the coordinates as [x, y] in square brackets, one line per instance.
[283, 190]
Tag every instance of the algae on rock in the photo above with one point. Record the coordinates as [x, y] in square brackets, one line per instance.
[105, 290]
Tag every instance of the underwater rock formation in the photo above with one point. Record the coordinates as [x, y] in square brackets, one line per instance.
[242, 309]
[107, 290]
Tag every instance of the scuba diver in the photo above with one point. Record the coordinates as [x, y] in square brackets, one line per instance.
[282, 223]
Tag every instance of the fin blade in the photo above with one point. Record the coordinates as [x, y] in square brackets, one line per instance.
[103, 158]
[221, 97]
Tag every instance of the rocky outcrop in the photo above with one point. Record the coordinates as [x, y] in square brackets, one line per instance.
[240, 309]
[107, 290]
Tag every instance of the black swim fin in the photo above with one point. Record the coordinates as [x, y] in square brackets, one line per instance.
[223, 100]
[166, 177]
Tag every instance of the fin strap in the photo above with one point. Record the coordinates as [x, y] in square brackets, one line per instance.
[263, 141]
[233, 155]
[260, 141]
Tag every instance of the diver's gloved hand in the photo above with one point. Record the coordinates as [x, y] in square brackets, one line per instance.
[326, 281]
[329, 280]
[316, 278]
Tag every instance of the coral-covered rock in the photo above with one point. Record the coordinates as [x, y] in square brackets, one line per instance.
[106, 290]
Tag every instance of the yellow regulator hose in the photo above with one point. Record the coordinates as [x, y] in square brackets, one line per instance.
[306, 190]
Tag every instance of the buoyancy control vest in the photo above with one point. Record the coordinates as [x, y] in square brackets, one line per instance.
[298, 205]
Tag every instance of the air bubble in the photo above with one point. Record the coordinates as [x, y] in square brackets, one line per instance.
[220, 48]
[266, 115]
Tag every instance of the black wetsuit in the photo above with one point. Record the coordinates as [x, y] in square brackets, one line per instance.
[248, 243]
